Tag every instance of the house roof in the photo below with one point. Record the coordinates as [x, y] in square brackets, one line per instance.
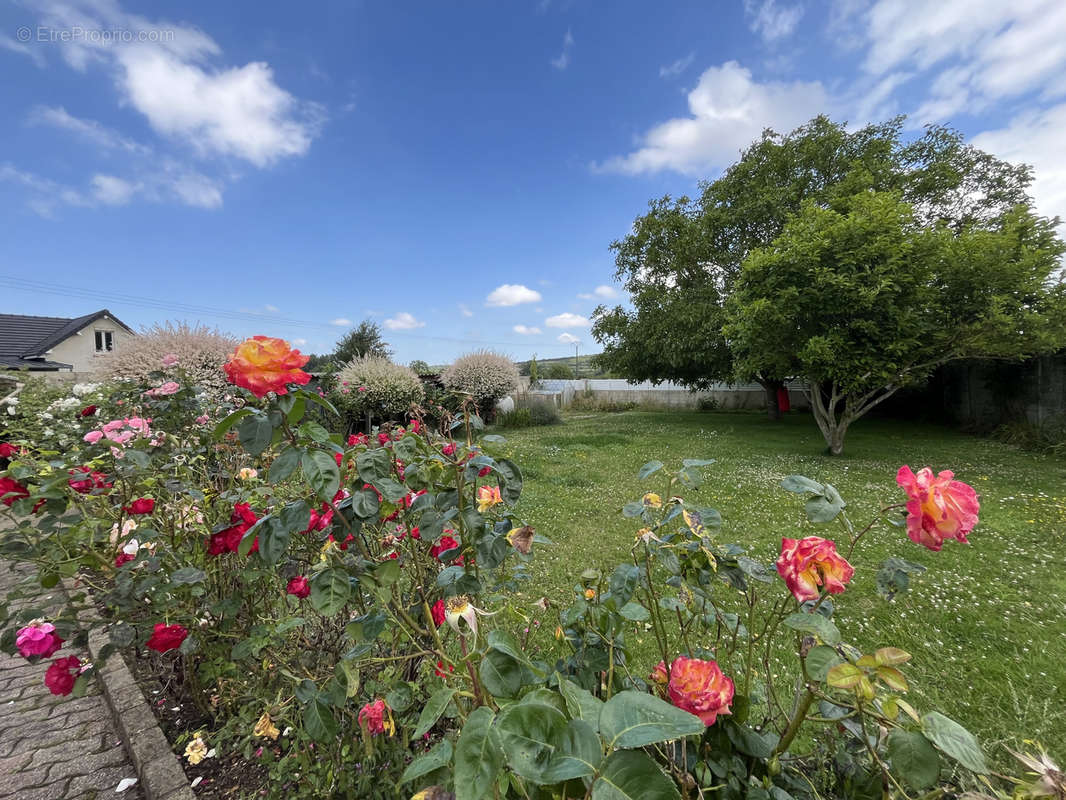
[24, 340]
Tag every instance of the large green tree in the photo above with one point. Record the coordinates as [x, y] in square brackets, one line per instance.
[861, 298]
[681, 260]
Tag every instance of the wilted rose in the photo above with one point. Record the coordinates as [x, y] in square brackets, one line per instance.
[61, 675]
[807, 564]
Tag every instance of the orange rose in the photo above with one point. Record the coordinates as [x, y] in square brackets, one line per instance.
[487, 497]
[806, 564]
[938, 508]
[700, 688]
[262, 364]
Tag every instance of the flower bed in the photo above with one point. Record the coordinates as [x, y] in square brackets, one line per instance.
[339, 612]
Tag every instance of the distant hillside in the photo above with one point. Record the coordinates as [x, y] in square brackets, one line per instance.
[584, 366]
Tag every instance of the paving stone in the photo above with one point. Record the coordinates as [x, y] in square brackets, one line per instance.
[56, 748]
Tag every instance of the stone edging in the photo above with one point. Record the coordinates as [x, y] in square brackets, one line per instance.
[158, 769]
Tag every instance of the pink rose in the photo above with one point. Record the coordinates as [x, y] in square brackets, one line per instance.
[38, 640]
[170, 360]
[937, 508]
[700, 688]
[168, 388]
[92, 437]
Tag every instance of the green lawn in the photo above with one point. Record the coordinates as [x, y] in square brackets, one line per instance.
[985, 623]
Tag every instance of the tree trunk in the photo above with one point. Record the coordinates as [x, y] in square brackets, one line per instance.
[773, 410]
[835, 439]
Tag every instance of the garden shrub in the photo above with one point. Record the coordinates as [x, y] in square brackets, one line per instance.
[1047, 437]
[530, 412]
[54, 415]
[376, 386]
[485, 376]
[346, 610]
[200, 353]
[588, 400]
[707, 403]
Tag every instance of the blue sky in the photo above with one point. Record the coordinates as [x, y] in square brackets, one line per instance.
[454, 171]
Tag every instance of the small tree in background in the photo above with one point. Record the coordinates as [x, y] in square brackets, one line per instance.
[371, 387]
[483, 374]
[420, 367]
[362, 341]
[201, 352]
[534, 370]
[862, 300]
[559, 372]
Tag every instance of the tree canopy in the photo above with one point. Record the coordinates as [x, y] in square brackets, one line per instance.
[363, 341]
[682, 259]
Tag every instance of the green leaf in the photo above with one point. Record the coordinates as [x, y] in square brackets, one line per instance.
[844, 676]
[295, 516]
[954, 740]
[581, 703]
[478, 756]
[432, 710]
[814, 623]
[913, 758]
[439, 756]
[748, 741]
[501, 674]
[391, 489]
[649, 469]
[365, 504]
[255, 433]
[321, 473]
[230, 420]
[186, 575]
[820, 660]
[273, 541]
[510, 480]
[528, 733]
[635, 719]
[373, 465]
[825, 507]
[319, 721]
[577, 753]
[284, 465]
[799, 484]
[633, 775]
[634, 611]
[329, 591]
[505, 642]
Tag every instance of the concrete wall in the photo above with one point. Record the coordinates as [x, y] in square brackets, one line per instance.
[79, 350]
[986, 393]
[665, 395]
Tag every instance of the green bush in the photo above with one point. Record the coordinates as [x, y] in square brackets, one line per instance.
[588, 401]
[1047, 437]
[707, 403]
[558, 372]
[530, 413]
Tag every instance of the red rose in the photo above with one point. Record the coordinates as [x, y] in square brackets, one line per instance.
[481, 473]
[123, 558]
[357, 438]
[7, 450]
[438, 613]
[142, 505]
[88, 411]
[448, 449]
[61, 675]
[444, 544]
[383, 438]
[166, 637]
[229, 539]
[299, 587]
[338, 457]
[11, 490]
[86, 480]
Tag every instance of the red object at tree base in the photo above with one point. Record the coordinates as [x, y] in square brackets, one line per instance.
[783, 402]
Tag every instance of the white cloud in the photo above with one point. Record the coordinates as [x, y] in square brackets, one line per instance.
[270, 308]
[602, 292]
[89, 129]
[299, 342]
[562, 61]
[403, 322]
[525, 330]
[7, 43]
[1035, 137]
[112, 191]
[728, 110]
[512, 294]
[341, 322]
[175, 76]
[567, 338]
[679, 66]
[771, 21]
[466, 312]
[567, 320]
[985, 50]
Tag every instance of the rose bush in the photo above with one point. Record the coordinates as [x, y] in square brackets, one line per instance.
[342, 611]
